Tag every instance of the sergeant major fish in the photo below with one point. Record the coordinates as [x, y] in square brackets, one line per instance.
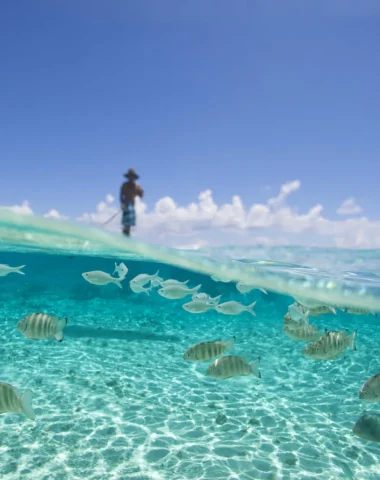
[370, 391]
[204, 351]
[306, 333]
[12, 402]
[233, 366]
[368, 427]
[39, 326]
[358, 311]
[97, 277]
[331, 346]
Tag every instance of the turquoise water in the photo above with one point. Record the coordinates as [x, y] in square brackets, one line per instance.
[116, 400]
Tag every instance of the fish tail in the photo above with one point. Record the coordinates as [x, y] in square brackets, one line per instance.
[229, 344]
[251, 309]
[195, 289]
[352, 340]
[156, 274]
[215, 300]
[18, 270]
[26, 404]
[254, 366]
[61, 324]
[333, 310]
[118, 282]
[262, 290]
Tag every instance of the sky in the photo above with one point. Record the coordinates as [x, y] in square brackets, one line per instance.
[237, 98]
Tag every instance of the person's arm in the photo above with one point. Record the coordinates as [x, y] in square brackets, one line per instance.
[139, 190]
[122, 197]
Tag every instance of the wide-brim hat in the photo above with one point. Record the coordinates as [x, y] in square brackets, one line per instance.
[131, 174]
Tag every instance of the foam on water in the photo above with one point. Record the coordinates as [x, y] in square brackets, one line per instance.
[116, 400]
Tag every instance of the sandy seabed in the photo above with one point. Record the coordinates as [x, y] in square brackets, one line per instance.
[116, 400]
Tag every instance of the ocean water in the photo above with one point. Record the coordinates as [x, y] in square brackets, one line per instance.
[116, 400]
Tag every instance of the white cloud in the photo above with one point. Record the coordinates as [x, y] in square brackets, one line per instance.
[203, 222]
[54, 214]
[349, 207]
[24, 208]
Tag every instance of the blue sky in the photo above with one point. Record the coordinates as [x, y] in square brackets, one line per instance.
[232, 96]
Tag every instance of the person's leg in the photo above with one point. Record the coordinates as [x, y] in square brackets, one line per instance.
[127, 230]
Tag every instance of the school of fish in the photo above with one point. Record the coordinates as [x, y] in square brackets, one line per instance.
[321, 344]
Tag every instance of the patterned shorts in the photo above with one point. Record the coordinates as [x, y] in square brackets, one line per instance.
[129, 216]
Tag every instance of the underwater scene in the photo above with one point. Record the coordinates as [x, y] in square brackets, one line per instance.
[122, 360]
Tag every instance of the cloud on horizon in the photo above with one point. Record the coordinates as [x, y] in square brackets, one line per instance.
[204, 222]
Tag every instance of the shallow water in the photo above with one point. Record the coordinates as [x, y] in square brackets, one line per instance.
[116, 400]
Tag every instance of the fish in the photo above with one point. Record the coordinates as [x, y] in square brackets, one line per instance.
[308, 302]
[233, 366]
[330, 346]
[143, 278]
[136, 288]
[244, 288]
[235, 308]
[172, 281]
[201, 352]
[97, 277]
[6, 270]
[12, 402]
[306, 333]
[316, 311]
[173, 292]
[156, 282]
[297, 315]
[368, 427]
[198, 306]
[358, 311]
[218, 278]
[40, 326]
[121, 270]
[370, 391]
[204, 297]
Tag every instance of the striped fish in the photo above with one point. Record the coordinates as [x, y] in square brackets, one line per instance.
[38, 326]
[204, 351]
[232, 366]
[330, 346]
[12, 402]
[305, 333]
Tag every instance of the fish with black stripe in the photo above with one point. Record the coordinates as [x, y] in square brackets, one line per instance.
[39, 326]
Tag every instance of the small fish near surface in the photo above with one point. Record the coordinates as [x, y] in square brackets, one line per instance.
[121, 270]
[233, 366]
[245, 288]
[305, 333]
[198, 306]
[235, 308]
[41, 326]
[6, 270]
[136, 288]
[204, 297]
[370, 391]
[97, 277]
[218, 278]
[330, 346]
[143, 278]
[175, 292]
[12, 402]
[368, 427]
[201, 352]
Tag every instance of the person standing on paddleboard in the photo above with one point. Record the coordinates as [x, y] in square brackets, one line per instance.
[128, 192]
